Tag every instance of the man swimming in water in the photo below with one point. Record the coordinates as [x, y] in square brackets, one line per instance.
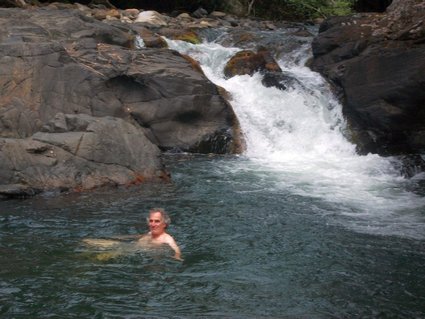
[158, 222]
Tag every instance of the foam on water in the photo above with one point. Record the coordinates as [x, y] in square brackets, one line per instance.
[298, 135]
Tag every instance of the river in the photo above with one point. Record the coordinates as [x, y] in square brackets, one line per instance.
[299, 226]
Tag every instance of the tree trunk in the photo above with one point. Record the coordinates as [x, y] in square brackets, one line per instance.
[250, 4]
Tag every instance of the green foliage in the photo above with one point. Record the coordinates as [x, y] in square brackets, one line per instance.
[297, 9]
[321, 8]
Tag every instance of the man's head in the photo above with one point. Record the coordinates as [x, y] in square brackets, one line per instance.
[158, 220]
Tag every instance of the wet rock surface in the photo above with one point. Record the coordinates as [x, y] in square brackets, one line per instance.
[60, 64]
[377, 63]
[78, 152]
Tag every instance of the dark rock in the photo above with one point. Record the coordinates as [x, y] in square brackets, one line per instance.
[219, 144]
[278, 80]
[389, 100]
[194, 115]
[377, 64]
[410, 165]
[340, 38]
[200, 13]
[18, 191]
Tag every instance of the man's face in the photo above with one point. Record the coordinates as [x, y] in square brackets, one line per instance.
[156, 224]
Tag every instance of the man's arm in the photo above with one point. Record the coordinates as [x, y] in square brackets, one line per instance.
[172, 243]
[135, 236]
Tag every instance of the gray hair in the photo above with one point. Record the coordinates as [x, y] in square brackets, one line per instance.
[165, 218]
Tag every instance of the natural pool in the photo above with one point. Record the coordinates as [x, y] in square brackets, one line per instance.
[300, 226]
[252, 249]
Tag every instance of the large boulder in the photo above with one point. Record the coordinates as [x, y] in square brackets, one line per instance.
[55, 61]
[61, 61]
[377, 63]
[78, 152]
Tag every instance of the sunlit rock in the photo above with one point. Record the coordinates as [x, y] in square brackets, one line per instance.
[151, 17]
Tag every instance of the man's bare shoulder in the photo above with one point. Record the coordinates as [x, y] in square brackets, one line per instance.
[167, 238]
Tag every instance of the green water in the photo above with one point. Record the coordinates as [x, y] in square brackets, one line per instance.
[251, 250]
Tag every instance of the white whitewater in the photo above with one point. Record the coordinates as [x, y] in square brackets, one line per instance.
[296, 137]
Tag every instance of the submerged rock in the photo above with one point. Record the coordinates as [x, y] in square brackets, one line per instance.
[410, 165]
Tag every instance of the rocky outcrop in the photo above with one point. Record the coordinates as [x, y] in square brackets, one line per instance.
[94, 71]
[61, 62]
[78, 152]
[377, 62]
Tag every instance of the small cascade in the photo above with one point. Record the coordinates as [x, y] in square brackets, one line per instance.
[298, 135]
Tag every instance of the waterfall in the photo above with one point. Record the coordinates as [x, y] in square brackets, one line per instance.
[302, 123]
[297, 135]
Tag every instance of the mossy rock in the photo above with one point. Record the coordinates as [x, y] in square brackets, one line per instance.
[189, 36]
[249, 62]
